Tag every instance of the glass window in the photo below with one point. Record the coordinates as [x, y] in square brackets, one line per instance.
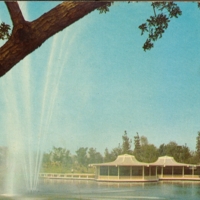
[104, 170]
[124, 171]
[113, 171]
[136, 171]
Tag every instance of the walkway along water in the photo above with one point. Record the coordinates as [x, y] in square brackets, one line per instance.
[70, 176]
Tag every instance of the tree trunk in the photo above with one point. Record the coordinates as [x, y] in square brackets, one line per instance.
[28, 36]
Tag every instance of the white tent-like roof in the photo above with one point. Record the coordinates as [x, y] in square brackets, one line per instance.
[123, 160]
[167, 161]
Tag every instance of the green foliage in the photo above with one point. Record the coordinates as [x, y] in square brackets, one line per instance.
[111, 156]
[193, 159]
[185, 154]
[107, 156]
[54, 169]
[162, 150]
[149, 153]
[198, 146]
[59, 160]
[143, 141]
[94, 156]
[60, 156]
[4, 31]
[180, 153]
[81, 156]
[170, 149]
[137, 146]
[46, 160]
[105, 8]
[126, 144]
[156, 25]
[115, 152]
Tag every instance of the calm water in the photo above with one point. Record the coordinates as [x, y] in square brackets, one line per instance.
[91, 190]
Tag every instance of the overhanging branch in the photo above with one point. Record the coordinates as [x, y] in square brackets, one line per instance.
[28, 36]
[15, 13]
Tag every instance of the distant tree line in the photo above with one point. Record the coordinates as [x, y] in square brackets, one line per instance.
[61, 158]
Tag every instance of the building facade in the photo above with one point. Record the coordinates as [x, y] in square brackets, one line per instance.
[127, 168]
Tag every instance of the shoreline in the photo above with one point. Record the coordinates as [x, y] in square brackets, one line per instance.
[81, 176]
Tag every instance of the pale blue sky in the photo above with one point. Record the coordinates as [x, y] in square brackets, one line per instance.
[104, 83]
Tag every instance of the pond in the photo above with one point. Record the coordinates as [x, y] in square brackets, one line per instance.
[91, 190]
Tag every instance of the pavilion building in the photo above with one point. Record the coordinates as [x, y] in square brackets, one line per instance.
[167, 168]
[127, 168]
[124, 168]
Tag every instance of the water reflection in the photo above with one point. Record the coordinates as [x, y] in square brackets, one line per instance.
[91, 190]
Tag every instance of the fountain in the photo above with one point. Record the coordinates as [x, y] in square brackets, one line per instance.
[25, 131]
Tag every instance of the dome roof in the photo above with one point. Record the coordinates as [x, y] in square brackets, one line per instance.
[167, 161]
[123, 160]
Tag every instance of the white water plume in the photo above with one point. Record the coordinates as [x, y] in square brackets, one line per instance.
[55, 80]
[25, 134]
[25, 145]
[45, 109]
[18, 126]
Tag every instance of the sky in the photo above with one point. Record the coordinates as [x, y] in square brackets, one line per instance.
[92, 81]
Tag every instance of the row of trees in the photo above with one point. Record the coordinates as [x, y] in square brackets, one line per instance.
[146, 152]
[60, 158]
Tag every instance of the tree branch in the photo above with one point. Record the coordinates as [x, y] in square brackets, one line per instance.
[28, 36]
[63, 16]
[154, 10]
[15, 13]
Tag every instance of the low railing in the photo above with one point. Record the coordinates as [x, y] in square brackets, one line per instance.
[76, 176]
[67, 176]
[151, 178]
[127, 178]
[192, 177]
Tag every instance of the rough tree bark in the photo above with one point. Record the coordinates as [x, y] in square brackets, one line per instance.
[28, 36]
